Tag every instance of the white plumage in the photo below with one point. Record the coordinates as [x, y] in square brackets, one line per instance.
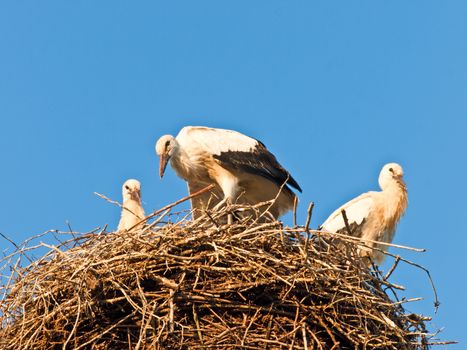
[132, 211]
[374, 215]
[242, 169]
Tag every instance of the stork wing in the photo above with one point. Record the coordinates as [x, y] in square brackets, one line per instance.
[216, 141]
[357, 210]
[236, 151]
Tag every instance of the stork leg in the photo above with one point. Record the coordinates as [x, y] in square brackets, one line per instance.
[229, 185]
[226, 201]
[221, 203]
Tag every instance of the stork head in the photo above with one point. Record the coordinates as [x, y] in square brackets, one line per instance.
[165, 148]
[390, 175]
[131, 189]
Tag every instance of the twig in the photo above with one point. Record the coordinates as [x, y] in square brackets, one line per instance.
[75, 325]
[188, 284]
[16, 246]
[157, 212]
[346, 237]
[305, 342]
[295, 203]
[198, 328]
[108, 199]
[171, 313]
[393, 267]
[307, 224]
[346, 222]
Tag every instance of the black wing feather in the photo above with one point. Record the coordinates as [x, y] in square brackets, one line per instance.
[258, 161]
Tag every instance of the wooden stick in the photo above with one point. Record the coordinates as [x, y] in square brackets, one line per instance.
[357, 239]
[206, 189]
[346, 222]
[170, 206]
[391, 270]
[295, 203]
[16, 246]
[307, 224]
[305, 342]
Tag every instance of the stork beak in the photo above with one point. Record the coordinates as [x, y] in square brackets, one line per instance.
[401, 181]
[162, 164]
[136, 196]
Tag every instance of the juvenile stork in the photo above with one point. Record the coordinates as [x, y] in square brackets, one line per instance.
[374, 215]
[241, 168]
[132, 210]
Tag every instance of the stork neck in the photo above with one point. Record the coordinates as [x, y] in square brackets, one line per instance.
[180, 162]
[395, 198]
[133, 208]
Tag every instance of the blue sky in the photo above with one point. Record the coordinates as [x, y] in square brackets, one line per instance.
[334, 88]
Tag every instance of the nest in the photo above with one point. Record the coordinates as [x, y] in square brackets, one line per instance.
[182, 284]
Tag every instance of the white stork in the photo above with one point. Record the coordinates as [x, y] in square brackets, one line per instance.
[240, 167]
[132, 210]
[374, 215]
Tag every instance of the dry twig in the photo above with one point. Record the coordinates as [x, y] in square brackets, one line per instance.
[197, 284]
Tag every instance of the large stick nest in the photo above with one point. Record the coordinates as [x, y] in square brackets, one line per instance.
[200, 284]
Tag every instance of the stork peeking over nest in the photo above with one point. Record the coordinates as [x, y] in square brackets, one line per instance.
[373, 215]
[240, 167]
[132, 210]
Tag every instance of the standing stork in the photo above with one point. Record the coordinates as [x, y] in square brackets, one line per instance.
[132, 210]
[374, 215]
[240, 167]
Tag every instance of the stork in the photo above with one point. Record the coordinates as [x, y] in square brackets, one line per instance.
[373, 216]
[132, 210]
[241, 168]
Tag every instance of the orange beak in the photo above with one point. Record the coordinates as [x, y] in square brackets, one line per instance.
[164, 159]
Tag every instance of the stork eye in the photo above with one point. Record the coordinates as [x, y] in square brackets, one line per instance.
[391, 170]
[127, 187]
[167, 144]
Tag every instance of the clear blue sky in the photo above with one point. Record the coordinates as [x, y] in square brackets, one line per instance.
[334, 88]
